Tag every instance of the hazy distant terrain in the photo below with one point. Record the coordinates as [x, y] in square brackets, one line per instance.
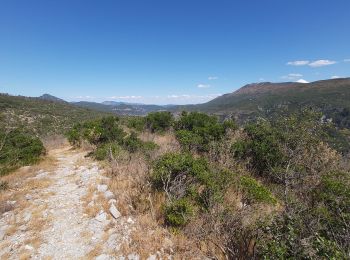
[121, 108]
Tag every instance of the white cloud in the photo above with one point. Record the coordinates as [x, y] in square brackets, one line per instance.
[346, 60]
[203, 86]
[335, 77]
[84, 97]
[321, 63]
[313, 64]
[292, 76]
[298, 63]
[194, 97]
[213, 77]
[261, 79]
[302, 81]
[125, 97]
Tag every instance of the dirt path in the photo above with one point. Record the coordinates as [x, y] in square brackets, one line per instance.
[64, 211]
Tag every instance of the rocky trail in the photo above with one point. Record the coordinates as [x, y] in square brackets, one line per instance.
[64, 211]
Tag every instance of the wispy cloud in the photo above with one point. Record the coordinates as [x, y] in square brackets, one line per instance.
[313, 64]
[203, 86]
[302, 81]
[125, 97]
[292, 76]
[346, 60]
[321, 63]
[213, 77]
[193, 97]
[298, 63]
[84, 97]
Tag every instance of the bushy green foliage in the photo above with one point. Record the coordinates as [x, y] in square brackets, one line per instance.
[254, 191]
[189, 184]
[273, 147]
[18, 148]
[291, 155]
[197, 130]
[136, 122]
[132, 143]
[332, 208]
[104, 130]
[178, 212]
[262, 146]
[159, 121]
[172, 165]
[103, 151]
[108, 137]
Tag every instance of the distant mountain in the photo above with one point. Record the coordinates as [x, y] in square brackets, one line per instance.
[49, 97]
[265, 99]
[121, 108]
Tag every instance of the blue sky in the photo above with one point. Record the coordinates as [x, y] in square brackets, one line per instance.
[167, 52]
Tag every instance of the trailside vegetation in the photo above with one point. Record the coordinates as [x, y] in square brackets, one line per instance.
[269, 189]
[18, 148]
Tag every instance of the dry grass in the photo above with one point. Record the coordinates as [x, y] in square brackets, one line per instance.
[23, 255]
[37, 184]
[54, 142]
[167, 142]
[130, 183]
[11, 230]
[90, 210]
[38, 221]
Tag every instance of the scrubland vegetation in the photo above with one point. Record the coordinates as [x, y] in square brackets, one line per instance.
[268, 189]
[25, 123]
[276, 188]
[18, 147]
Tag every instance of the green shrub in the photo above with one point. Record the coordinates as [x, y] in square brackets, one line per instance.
[149, 146]
[263, 146]
[171, 165]
[327, 249]
[18, 148]
[159, 121]
[188, 139]
[104, 130]
[255, 192]
[178, 212]
[136, 123]
[196, 130]
[189, 183]
[74, 137]
[331, 199]
[132, 143]
[103, 151]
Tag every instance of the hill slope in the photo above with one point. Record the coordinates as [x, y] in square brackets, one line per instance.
[41, 116]
[330, 96]
[49, 97]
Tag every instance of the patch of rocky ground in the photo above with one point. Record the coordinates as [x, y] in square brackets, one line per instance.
[68, 214]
